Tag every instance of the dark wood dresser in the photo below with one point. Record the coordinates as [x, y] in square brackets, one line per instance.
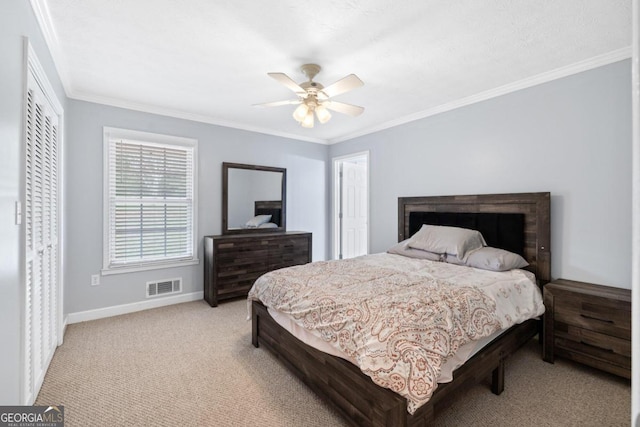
[588, 323]
[233, 262]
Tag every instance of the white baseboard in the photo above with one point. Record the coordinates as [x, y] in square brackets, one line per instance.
[116, 310]
[64, 329]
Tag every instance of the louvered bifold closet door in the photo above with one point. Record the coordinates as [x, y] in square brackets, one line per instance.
[41, 239]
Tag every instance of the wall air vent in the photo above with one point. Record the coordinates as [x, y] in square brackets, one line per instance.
[164, 287]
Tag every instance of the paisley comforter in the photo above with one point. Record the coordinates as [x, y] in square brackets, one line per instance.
[399, 318]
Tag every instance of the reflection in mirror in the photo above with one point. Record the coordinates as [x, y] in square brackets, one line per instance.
[253, 198]
[248, 192]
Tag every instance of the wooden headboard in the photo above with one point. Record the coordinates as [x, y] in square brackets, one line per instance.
[534, 206]
[270, 207]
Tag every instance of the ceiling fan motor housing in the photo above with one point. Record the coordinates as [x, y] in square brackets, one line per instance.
[312, 88]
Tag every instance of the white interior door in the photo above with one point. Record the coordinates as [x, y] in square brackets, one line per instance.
[41, 216]
[352, 207]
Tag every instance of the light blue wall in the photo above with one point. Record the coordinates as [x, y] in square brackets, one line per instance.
[571, 137]
[17, 22]
[307, 199]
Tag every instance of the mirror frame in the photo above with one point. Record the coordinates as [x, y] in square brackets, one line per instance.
[225, 198]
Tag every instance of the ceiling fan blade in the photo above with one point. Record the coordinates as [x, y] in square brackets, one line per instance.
[288, 82]
[279, 103]
[341, 107]
[343, 85]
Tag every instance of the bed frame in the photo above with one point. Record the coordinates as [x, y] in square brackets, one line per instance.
[351, 392]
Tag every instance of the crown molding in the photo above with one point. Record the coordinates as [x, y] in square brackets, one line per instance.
[162, 111]
[41, 11]
[558, 73]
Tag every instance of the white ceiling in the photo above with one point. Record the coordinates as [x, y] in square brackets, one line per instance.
[208, 60]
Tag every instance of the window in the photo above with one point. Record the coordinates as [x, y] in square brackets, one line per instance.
[150, 186]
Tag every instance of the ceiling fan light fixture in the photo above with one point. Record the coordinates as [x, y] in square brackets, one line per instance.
[323, 114]
[301, 112]
[315, 97]
[308, 120]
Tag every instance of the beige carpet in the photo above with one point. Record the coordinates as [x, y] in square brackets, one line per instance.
[193, 365]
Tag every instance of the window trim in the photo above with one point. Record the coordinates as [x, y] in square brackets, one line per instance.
[152, 138]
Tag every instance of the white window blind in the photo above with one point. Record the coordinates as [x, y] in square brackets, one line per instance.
[151, 202]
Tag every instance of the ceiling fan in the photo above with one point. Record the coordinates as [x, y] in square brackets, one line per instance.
[314, 97]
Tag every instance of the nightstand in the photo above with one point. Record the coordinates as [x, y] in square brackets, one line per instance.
[589, 324]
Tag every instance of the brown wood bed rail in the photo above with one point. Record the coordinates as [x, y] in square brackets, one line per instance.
[356, 397]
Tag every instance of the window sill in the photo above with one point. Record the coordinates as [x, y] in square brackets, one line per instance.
[146, 267]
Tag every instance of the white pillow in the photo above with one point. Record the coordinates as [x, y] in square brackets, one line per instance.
[447, 240]
[268, 225]
[495, 259]
[257, 221]
[404, 250]
[453, 259]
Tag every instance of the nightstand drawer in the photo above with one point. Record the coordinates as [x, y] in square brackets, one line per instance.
[606, 347]
[590, 315]
[595, 362]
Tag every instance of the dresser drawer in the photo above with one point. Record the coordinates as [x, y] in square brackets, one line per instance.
[237, 284]
[240, 268]
[232, 250]
[241, 257]
[287, 261]
[289, 246]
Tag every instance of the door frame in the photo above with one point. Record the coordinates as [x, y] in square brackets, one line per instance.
[335, 199]
[635, 225]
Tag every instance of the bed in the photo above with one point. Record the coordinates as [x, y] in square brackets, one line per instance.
[352, 393]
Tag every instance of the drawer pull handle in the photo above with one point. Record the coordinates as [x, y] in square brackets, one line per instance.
[596, 318]
[608, 350]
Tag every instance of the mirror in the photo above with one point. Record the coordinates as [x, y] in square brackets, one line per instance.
[253, 198]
